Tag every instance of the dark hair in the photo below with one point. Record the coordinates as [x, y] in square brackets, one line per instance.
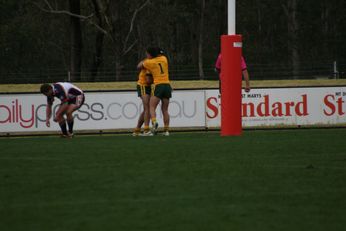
[45, 88]
[161, 51]
[155, 51]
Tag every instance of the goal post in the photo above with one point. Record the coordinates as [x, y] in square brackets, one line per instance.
[231, 77]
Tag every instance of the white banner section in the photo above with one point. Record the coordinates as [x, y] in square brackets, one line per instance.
[285, 106]
[101, 111]
[188, 108]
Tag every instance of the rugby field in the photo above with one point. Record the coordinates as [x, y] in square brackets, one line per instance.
[262, 180]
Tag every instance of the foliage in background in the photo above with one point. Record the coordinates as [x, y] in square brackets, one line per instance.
[286, 36]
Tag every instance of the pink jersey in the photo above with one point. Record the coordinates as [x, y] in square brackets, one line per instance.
[243, 64]
[218, 63]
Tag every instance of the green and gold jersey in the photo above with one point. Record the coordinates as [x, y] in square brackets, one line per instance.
[142, 77]
[158, 67]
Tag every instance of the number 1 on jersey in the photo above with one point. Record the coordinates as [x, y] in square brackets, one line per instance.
[161, 68]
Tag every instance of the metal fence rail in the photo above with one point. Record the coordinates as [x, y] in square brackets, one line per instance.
[186, 72]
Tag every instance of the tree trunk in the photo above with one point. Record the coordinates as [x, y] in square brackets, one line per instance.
[76, 42]
[327, 34]
[200, 42]
[114, 23]
[293, 36]
[118, 68]
[98, 54]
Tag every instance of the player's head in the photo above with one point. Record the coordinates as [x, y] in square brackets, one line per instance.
[46, 89]
[161, 51]
[153, 52]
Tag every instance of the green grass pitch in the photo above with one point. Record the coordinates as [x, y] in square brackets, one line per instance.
[262, 180]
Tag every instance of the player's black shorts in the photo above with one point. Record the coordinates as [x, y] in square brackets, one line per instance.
[163, 90]
[143, 90]
[78, 100]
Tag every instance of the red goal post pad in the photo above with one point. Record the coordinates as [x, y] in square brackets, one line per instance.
[231, 81]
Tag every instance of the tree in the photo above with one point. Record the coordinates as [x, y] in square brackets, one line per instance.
[76, 41]
[109, 23]
[42, 40]
[117, 28]
[290, 9]
[200, 40]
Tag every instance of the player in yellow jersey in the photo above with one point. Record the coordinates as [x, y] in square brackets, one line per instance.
[157, 64]
[144, 92]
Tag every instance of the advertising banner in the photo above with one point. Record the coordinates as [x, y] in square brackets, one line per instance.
[188, 108]
[102, 110]
[284, 106]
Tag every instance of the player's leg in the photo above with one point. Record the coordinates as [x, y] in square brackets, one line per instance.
[69, 117]
[166, 94]
[154, 101]
[73, 105]
[146, 112]
[140, 122]
[144, 118]
[166, 118]
[59, 118]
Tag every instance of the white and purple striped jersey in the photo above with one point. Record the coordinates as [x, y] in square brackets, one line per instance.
[64, 91]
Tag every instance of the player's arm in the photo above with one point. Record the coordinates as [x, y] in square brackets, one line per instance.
[49, 110]
[140, 65]
[247, 80]
[149, 78]
[218, 64]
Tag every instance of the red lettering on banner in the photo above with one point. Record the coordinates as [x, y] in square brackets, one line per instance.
[333, 105]
[329, 104]
[340, 102]
[14, 115]
[265, 108]
[302, 107]
[17, 110]
[245, 107]
[288, 108]
[31, 119]
[8, 119]
[277, 109]
[212, 107]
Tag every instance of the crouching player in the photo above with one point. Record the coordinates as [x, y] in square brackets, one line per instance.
[72, 98]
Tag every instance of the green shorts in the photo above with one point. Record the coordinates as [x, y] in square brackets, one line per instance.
[143, 90]
[163, 90]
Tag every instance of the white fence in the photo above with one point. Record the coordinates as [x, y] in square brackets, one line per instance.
[188, 108]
